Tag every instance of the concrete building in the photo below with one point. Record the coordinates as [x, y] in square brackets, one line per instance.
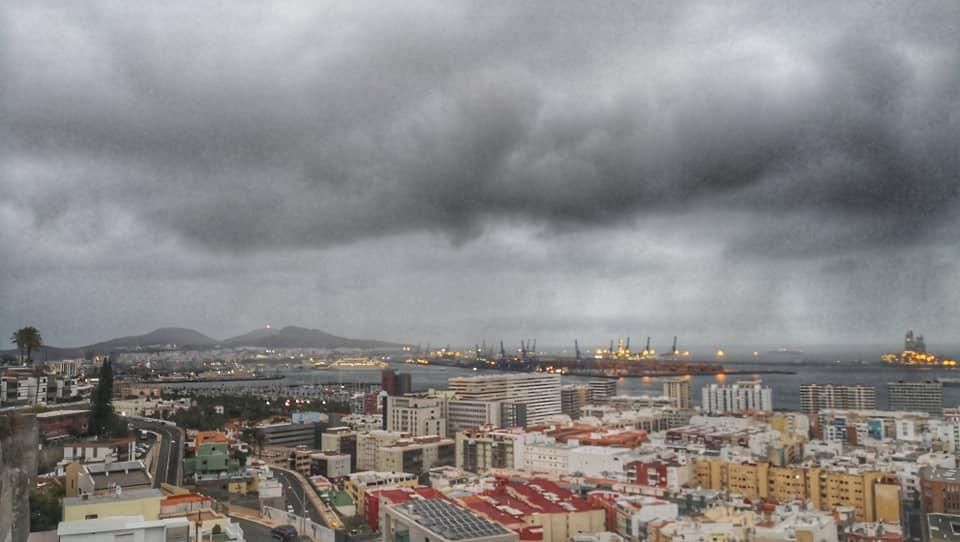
[342, 440]
[144, 503]
[480, 450]
[126, 528]
[940, 500]
[370, 444]
[538, 391]
[332, 465]
[394, 383]
[418, 416]
[574, 397]
[916, 396]
[107, 478]
[601, 390]
[678, 390]
[873, 495]
[358, 483]
[438, 520]
[744, 396]
[19, 387]
[96, 451]
[416, 455]
[537, 509]
[292, 434]
[463, 415]
[816, 397]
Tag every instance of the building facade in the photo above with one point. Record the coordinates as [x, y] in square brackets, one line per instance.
[539, 392]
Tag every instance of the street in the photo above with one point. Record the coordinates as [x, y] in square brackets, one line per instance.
[171, 450]
[295, 496]
[254, 532]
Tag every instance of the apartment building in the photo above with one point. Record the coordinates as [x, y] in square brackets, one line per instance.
[816, 397]
[538, 391]
[418, 416]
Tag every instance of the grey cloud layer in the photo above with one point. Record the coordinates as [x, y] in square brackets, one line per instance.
[161, 146]
[250, 129]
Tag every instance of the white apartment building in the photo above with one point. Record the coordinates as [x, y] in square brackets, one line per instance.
[418, 416]
[369, 445]
[740, 397]
[538, 391]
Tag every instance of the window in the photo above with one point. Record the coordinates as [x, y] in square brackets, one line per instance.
[90, 516]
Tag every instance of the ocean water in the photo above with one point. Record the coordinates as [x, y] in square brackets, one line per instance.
[786, 387]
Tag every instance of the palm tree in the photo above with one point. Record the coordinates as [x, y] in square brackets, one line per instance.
[27, 339]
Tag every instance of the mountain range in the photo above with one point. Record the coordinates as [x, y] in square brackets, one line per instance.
[268, 337]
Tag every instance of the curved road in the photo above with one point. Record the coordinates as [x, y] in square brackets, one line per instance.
[296, 497]
[171, 450]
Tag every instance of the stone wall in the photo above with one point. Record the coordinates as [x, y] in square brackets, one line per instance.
[19, 440]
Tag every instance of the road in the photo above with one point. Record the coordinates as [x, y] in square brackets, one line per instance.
[171, 450]
[296, 497]
[254, 532]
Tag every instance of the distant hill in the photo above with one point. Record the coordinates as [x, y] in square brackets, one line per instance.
[287, 337]
[158, 337]
[300, 337]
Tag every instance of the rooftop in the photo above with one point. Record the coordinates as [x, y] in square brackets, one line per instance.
[449, 520]
[131, 495]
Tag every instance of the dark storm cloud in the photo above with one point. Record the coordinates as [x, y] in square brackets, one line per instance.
[758, 168]
[328, 127]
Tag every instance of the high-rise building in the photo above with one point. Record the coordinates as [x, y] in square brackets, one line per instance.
[916, 397]
[743, 396]
[538, 391]
[418, 416]
[463, 414]
[678, 390]
[817, 397]
[573, 397]
[601, 390]
[395, 383]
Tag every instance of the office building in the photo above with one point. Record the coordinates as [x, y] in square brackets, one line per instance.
[601, 390]
[539, 392]
[916, 397]
[817, 397]
[291, 435]
[678, 390]
[418, 416]
[744, 396]
[439, 520]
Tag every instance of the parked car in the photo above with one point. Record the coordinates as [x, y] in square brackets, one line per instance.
[286, 533]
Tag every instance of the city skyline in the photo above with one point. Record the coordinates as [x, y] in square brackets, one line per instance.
[414, 172]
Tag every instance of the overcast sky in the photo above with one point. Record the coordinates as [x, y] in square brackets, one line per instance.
[459, 171]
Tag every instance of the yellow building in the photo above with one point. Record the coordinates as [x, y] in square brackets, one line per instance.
[874, 495]
[140, 502]
[358, 483]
